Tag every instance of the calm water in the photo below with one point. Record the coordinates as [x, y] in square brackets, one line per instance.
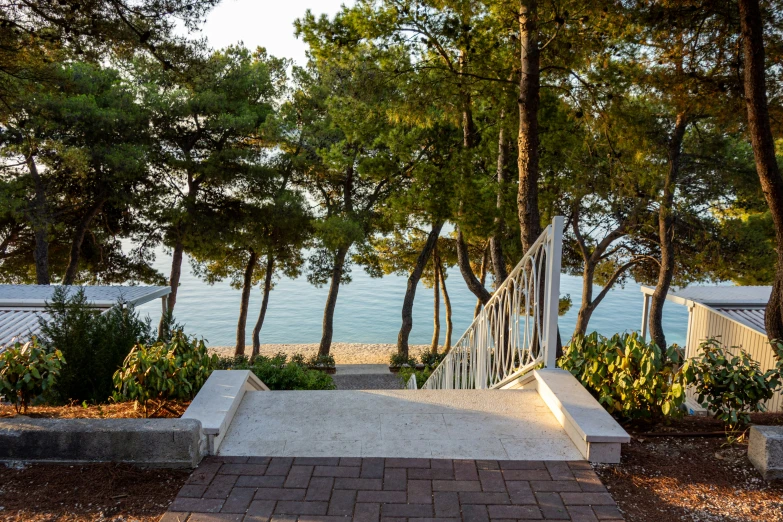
[368, 310]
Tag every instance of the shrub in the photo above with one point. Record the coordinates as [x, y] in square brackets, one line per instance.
[278, 373]
[733, 386]
[431, 360]
[27, 371]
[630, 378]
[164, 371]
[94, 344]
[320, 361]
[421, 375]
[398, 360]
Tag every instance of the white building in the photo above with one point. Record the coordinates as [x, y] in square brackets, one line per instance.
[732, 314]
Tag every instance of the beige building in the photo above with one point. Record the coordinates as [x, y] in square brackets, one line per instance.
[732, 314]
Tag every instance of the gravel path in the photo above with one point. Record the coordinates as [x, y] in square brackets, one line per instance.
[344, 353]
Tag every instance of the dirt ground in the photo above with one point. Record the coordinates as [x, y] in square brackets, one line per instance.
[121, 410]
[691, 478]
[98, 492]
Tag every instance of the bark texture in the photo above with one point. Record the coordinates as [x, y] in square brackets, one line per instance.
[40, 223]
[410, 291]
[270, 268]
[446, 304]
[666, 232]
[495, 242]
[482, 279]
[463, 260]
[327, 328]
[78, 240]
[247, 285]
[528, 140]
[436, 304]
[763, 147]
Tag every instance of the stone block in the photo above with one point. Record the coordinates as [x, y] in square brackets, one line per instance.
[765, 451]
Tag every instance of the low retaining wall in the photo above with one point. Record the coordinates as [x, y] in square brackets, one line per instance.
[765, 451]
[164, 443]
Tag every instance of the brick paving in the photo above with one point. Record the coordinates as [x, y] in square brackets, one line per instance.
[281, 489]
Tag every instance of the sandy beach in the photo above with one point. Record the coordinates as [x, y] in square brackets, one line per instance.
[344, 353]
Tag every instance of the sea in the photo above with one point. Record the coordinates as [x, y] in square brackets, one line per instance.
[369, 309]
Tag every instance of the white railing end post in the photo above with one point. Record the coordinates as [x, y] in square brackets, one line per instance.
[554, 263]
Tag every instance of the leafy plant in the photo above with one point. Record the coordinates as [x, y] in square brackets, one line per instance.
[27, 371]
[398, 360]
[629, 377]
[321, 361]
[733, 386]
[94, 344]
[421, 375]
[279, 373]
[431, 360]
[164, 371]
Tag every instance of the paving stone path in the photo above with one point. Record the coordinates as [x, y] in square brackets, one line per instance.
[286, 489]
[366, 377]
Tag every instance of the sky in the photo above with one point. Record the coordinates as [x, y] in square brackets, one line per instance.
[264, 23]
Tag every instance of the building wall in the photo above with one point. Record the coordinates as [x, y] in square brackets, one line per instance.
[705, 323]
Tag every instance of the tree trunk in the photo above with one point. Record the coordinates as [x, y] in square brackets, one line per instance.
[463, 260]
[410, 291]
[270, 268]
[763, 148]
[436, 307]
[78, 239]
[529, 86]
[247, 285]
[666, 232]
[40, 224]
[446, 304]
[482, 279]
[495, 242]
[331, 300]
[174, 277]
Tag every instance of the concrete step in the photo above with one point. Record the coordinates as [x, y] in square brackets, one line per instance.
[454, 424]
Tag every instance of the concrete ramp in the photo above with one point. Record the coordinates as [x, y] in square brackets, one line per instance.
[449, 424]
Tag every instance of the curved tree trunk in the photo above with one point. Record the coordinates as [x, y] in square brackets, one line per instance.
[446, 304]
[436, 304]
[482, 278]
[463, 260]
[529, 86]
[331, 301]
[78, 239]
[410, 291]
[763, 148]
[174, 277]
[270, 267]
[247, 285]
[666, 232]
[40, 225]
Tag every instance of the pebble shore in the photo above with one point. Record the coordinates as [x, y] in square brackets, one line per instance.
[344, 353]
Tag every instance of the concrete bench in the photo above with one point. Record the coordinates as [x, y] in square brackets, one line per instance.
[165, 443]
[593, 431]
[217, 402]
[765, 451]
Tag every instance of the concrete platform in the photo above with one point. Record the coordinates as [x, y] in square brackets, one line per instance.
[449, 424]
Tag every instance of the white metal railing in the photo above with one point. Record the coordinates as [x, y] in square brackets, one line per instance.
[412, 384]
[517, 328]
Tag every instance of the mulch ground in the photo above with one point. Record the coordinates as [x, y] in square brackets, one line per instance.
[691, 478]
[98, 492]
[120, 410]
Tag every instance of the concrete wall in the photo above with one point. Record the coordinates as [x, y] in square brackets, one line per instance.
[704, 323]
[166, 443]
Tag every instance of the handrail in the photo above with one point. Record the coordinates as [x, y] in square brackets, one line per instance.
[517, 328]
[412, 384]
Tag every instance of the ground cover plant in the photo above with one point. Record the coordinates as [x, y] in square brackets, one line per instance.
[164, 371]
[428, 361]
[632, 379]
[281, 373]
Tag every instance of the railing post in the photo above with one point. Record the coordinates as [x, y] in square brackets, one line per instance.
[554, 260]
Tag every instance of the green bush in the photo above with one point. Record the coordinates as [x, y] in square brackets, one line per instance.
[164, 371]
[431, 360]
[733, 386]
[94, 344]
[630, 378]
[27, 371]
[421, 375]
[278, 373]
[320, 361]
[398, 360]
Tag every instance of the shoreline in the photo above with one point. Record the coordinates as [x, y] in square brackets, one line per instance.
[343, 353]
